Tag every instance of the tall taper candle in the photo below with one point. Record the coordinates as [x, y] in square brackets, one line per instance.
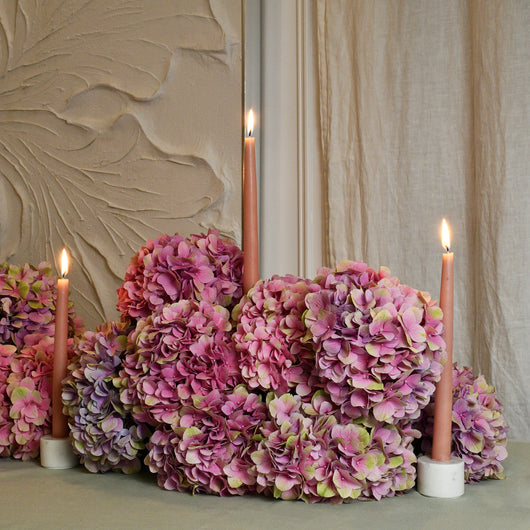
[60, 358]
[250, 211]
[443, 397]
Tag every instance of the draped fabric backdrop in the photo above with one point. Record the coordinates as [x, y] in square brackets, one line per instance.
[424, 110]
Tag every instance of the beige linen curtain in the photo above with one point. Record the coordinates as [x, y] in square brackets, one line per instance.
[424, 110]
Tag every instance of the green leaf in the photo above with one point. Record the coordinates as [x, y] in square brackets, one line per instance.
[324, 490]
[234, 482]
[36, 287]
[23, 289]
[20, 392]
[395, 461]
[191, 431]
[435, 312]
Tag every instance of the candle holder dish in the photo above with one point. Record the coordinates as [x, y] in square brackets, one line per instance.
[440, 479]
[57, 453]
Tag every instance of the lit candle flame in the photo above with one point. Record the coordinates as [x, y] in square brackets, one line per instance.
[250, 122]
[64, 263]
[446, 240]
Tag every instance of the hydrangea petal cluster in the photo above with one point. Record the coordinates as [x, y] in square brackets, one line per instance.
[316, 458]
[172, 268]
[102, 429]
[180, 351]
[7, 353]
[379, 345]
[27, 305]
[25, 397]
[479, 429]
[271, 337]
[208, 449]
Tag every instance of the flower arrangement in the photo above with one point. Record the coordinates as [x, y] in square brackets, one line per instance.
[307, 389]
[300, 389]
[27, 306]
[478, 427]
[103, 431]
[197, 375]
[172, 268]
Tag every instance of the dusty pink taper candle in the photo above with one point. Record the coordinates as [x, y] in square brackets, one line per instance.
[60, 358]
[250, 211]
[443, 397]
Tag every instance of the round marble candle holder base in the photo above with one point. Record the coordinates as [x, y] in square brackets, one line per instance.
[57, 453]
[440, 479]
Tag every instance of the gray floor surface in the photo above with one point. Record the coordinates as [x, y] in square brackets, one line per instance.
[35, 497]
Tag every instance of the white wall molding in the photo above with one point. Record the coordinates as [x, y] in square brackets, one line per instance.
[290, 181]
[310, 198]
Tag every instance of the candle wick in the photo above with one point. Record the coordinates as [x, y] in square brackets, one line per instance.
[447, 249]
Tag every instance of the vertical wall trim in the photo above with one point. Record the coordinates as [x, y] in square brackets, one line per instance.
[310, 202]
[301, 130]
[290, 189]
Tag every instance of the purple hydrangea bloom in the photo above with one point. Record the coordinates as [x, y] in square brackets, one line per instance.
[379, 346]
[479, 429]
[208, 449]
[172, 268]
[273, 349]
[103, 431]
[180, 351]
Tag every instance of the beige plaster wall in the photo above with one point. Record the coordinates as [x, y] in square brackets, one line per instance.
[119, 120]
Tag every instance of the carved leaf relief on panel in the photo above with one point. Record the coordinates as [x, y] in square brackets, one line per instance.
[84, 160]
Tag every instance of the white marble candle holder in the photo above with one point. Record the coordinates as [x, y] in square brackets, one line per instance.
[440, 479]
[57, 453]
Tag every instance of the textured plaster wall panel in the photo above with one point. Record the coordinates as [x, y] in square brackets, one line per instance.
[119, 121]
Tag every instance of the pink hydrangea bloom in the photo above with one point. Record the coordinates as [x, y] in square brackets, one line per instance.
[29, 410]
[316, 458]
[36, 362]
[479, 429]
[7, 354]
[379, 346]
[172, 268]
[181, 350]
[208, 449]
[273, 350]
[25, 397]
[27, 305]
